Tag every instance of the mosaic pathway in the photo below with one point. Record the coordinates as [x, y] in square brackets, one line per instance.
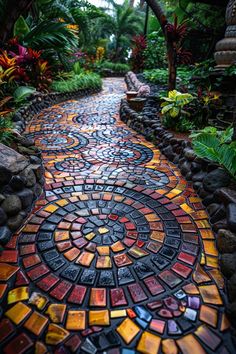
[118, 257]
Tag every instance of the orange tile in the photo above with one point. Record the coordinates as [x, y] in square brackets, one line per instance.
[187, 343]
[169, 346]
[210, 294]
[210, 248]
[99, 318]
[36, 323]
[208, 315]
[103, 250]
[104, 262]
[76, 320]
[98, 297]
[128, 330]
[85, 259]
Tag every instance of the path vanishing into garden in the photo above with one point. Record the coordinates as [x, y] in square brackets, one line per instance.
[118, 253]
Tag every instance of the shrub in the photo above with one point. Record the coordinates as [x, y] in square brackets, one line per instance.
[6, 133]
[78, 82]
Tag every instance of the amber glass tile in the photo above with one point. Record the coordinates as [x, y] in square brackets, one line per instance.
[225, 324]
[7, 271]
[118, 313]
[85, 259]
[128, 330]
[36, 323]
[169, 346]
[18, 312]
[99, 318]
[72, 254]
[40, 348]
[76, 320]
[200, 276]
[61, 235]
[56, 334]
[117, 247]
[56, 312]
[18, 294]
[149, 343]
[103, 262]
[188, 343]
[210, 294]
[210, 248]
[103, 250]
[209, 315]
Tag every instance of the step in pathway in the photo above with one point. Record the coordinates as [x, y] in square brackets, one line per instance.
[118, 256]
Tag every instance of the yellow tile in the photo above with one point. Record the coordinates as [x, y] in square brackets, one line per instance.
[212, 262]
[56, 334]
[90, 236]
[118, 313]
[18, 312]
[62, 202]
[18, 294]
[128, 330]
[103, 230]
[149, 343]
[76, 320]
[36, 323]
[186, 208]
[51, 208]
[99, 318]
[61, 235]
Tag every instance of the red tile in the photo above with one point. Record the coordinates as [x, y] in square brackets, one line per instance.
[154, 286]
[38, 271]
[117, 297]
[181, 269]
[31, 260]
[18, 345]
[21, 279]
[48, 282]
[60, 291]
[9, 256]
[77, 295]
[6, 328]
[137, 293]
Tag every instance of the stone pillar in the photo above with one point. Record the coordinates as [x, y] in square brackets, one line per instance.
[225, 53]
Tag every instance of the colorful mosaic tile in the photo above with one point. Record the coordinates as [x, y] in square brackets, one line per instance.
[118, 255]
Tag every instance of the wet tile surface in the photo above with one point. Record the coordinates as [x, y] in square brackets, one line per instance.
[118, 255]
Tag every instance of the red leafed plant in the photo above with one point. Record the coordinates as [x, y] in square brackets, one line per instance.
[176, 32]
[137, 57]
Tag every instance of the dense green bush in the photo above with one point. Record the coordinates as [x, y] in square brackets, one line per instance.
[78, 82]
[6, 130]
[160, 76]
[155, 52]
[118, 68]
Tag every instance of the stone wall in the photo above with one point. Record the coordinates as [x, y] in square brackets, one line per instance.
[211, 182]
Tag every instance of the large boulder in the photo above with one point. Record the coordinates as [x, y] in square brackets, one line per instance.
[12, 160]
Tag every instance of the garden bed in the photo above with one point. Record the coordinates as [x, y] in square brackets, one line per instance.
[211, 182]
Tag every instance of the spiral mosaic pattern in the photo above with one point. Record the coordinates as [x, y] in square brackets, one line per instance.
[118, 256]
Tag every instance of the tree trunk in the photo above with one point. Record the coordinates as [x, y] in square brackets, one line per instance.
[171, 55]
[13, 10]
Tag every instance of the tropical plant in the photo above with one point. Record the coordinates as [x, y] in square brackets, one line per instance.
[22, 93]
[6, 133]
[175, 102]
[174, 114]
[216, 146]
[126, 22]
[137, 56]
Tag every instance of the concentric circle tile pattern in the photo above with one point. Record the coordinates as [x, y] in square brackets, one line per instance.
[118, 255]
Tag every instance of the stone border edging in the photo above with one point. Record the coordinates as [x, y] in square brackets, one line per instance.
[210, 181]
